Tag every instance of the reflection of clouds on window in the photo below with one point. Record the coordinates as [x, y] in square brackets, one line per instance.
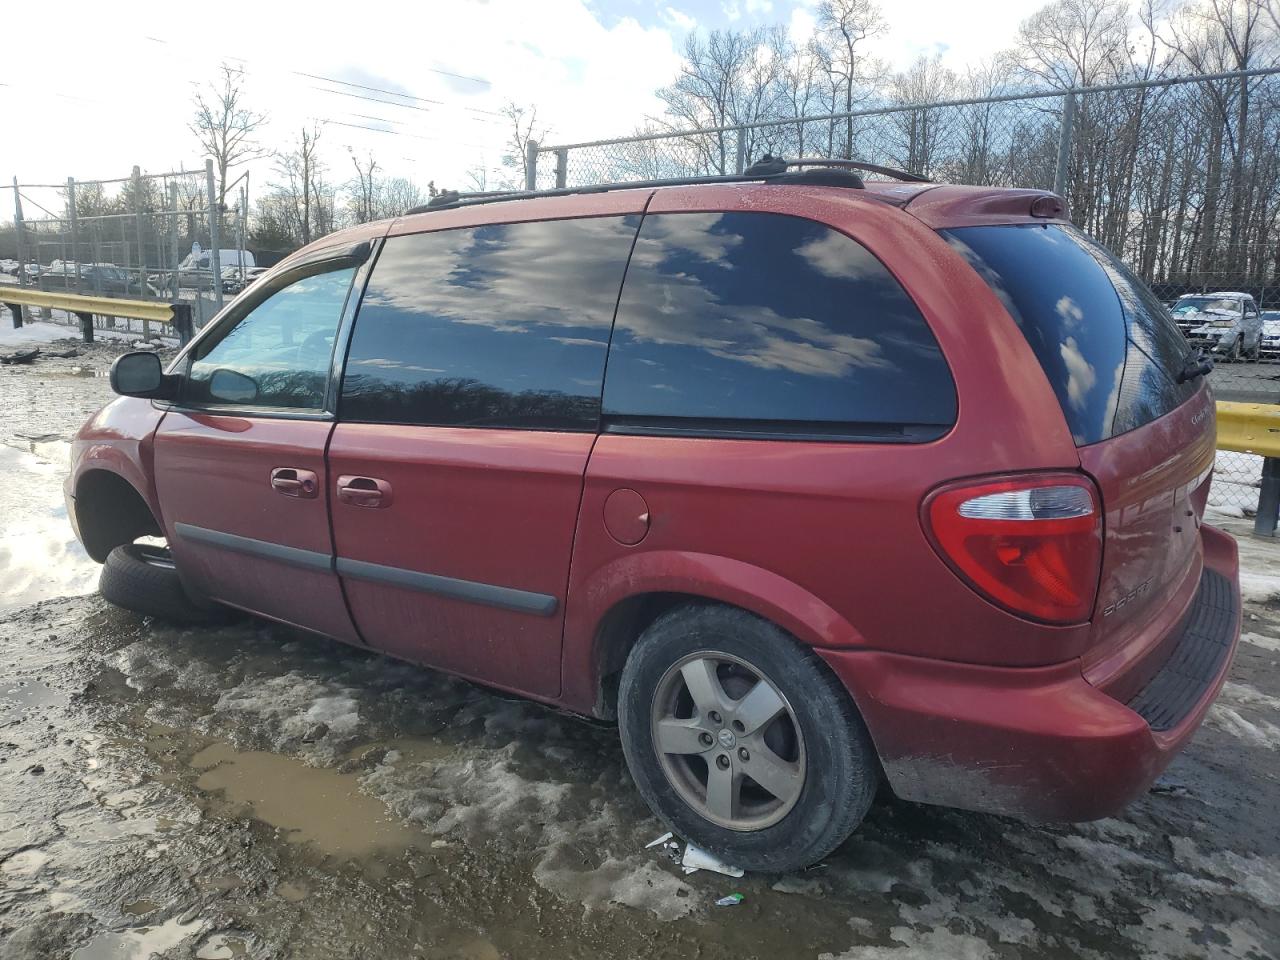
[826, 329]
[672, 302]
[1081, 376]
[496, 325]
[520, 268]
[1069, 311]
[698, 237]
[832, 255]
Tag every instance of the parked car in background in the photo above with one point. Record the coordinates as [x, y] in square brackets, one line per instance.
[807, 483]
[234, 279]
[103, 278]
[9, 267]
[1271, 333]
[1228, 323]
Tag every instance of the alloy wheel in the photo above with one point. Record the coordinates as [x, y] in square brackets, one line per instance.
[728, 741]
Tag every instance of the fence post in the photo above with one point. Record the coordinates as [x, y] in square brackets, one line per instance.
[215, 235]
[562, 168]
[137, 229]
[1264, 523]
[86, 325]
[740, 164]
[16, 310]
[182, 323]
[22, 257]
[173, 235]
[1065, 133]
[531, 165]
[75, 227]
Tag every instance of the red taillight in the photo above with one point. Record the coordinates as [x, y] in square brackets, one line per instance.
[1032, 544]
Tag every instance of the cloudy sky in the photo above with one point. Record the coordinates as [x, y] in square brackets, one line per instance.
[90, 89]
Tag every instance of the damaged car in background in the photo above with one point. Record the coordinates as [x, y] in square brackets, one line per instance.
[1226, 324]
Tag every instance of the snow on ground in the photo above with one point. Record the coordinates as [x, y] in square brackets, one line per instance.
[39, 555]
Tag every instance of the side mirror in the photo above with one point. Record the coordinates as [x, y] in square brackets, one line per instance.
[140, 375]
[232, 386]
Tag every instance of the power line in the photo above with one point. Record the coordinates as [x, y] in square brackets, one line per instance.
[393, 93]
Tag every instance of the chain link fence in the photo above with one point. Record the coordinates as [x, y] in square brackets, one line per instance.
[163, 236]
[1143, 166]
[1237, 480]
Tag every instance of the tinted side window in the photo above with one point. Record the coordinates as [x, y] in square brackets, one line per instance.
[503, 325]
[1107, 346]
[758, 321]
[277, 355]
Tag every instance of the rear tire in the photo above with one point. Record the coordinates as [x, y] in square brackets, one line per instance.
[819, 759]
[143, 579]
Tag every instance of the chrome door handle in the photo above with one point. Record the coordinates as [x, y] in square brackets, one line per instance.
[292, 482]
[364, 491]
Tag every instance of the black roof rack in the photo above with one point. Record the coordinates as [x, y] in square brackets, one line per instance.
[817, 171]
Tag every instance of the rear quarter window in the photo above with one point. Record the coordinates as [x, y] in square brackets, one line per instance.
[762, 323]
[1108, 348]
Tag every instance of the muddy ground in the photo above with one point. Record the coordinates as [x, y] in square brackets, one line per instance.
[244, 791]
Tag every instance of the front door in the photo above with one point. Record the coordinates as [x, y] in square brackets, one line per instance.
[469, 408]
[239, 462]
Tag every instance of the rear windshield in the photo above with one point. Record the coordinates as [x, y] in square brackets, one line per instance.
[1108, 347]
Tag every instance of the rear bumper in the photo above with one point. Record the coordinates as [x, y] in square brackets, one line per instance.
[1043, 742]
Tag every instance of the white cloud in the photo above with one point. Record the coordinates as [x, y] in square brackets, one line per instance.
[679, 19]
[802, 25]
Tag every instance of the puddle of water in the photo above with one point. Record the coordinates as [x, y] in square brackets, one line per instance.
[311, 804]
[293, 892]
[140, 908]
[19, 696]
[138, 943]
[223, 946]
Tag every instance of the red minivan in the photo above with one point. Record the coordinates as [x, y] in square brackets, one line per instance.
[810, 483]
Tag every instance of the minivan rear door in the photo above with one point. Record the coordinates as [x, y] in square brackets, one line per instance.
[1144, 429]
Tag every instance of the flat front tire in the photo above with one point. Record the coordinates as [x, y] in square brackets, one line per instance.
[144, 579]
[741, 740]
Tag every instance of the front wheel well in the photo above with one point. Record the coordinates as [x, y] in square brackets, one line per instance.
[110, 512]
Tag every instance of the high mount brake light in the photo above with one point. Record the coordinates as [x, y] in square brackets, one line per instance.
[1032, 544]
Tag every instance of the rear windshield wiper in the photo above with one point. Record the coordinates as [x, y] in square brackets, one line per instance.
[1195, 365]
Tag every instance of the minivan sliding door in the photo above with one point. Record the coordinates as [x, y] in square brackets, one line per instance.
[468, 409]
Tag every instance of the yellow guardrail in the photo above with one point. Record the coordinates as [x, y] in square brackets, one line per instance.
[1249, 428]
[86, 307]
[79, 303]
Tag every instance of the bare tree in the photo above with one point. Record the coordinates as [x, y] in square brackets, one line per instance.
[524, 128]
[728, 79]
[845, 27]
[364, 189]
[225, 126]
[301, 190]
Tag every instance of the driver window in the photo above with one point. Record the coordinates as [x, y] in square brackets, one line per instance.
[278, 354]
